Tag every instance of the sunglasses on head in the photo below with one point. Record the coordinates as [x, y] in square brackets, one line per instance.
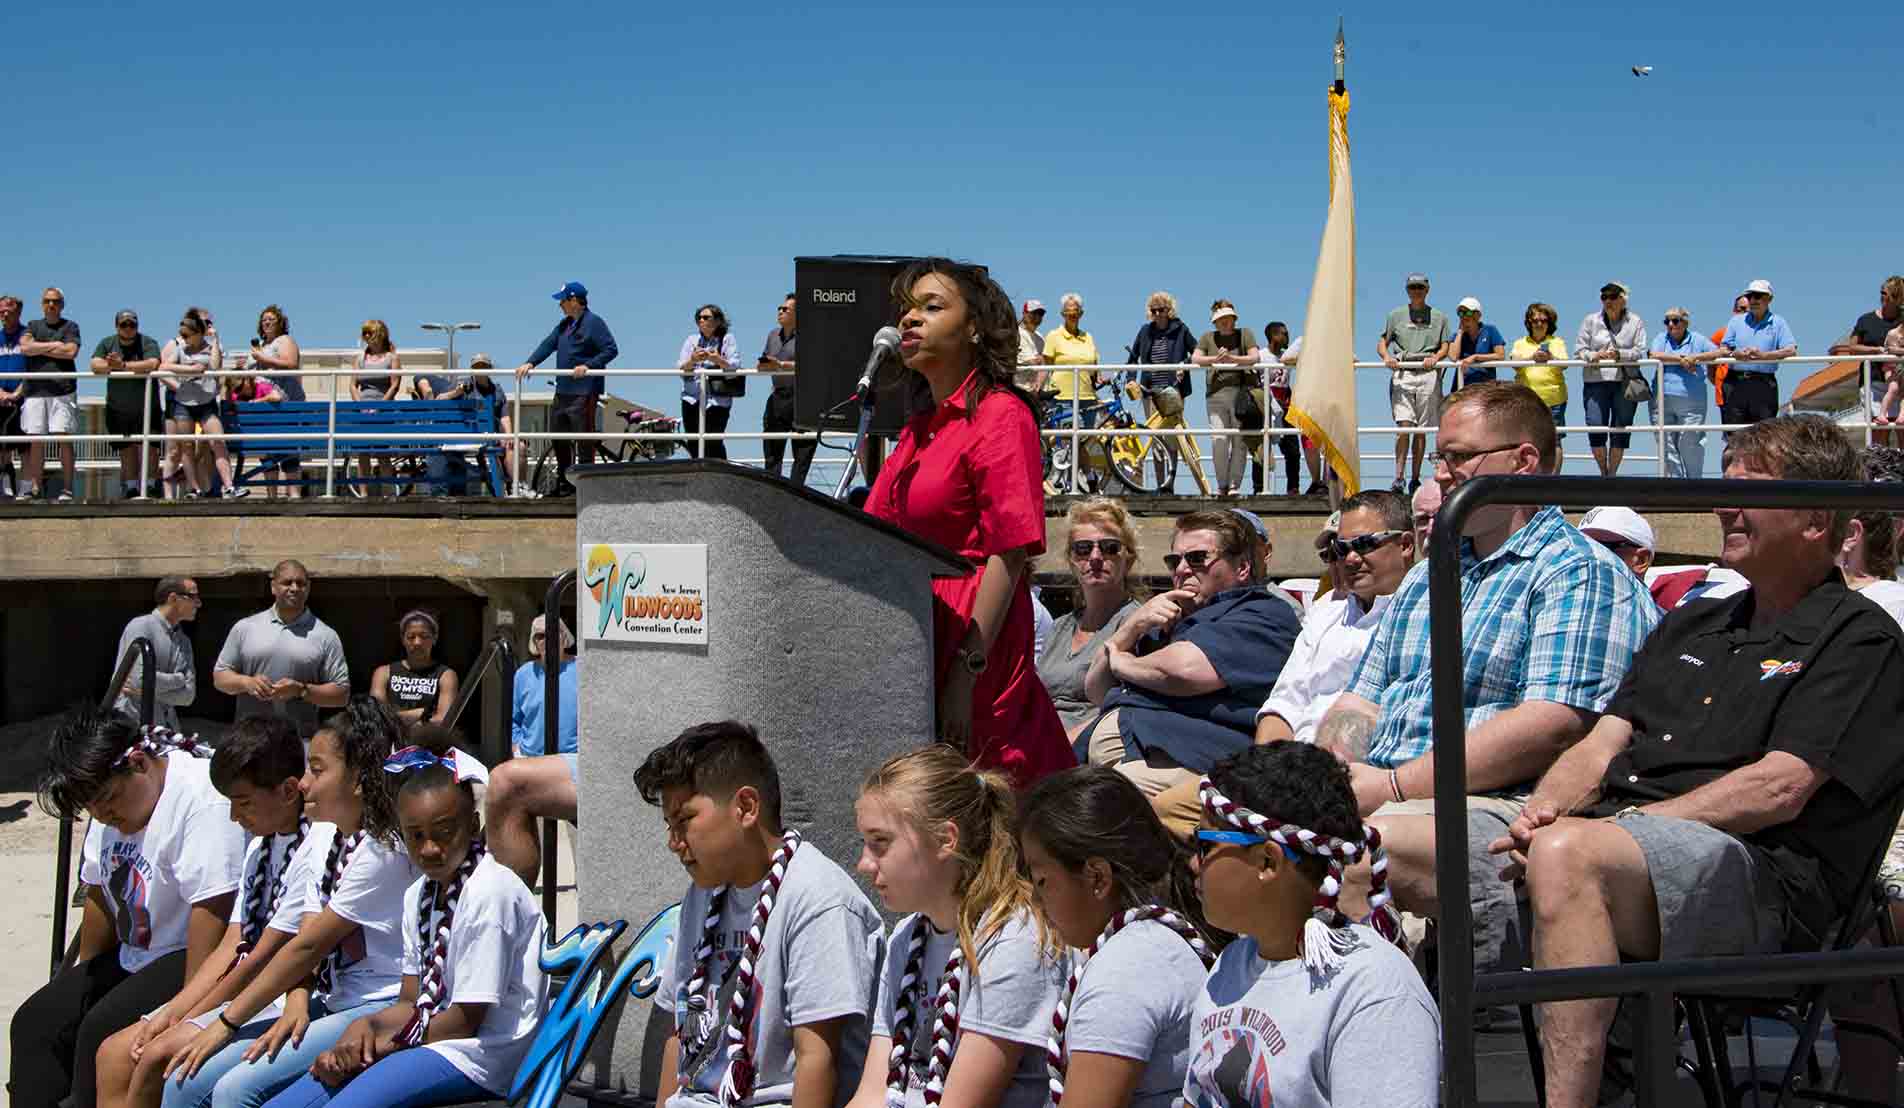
[1205, 838]
[1363, 544]
[1110, 548]
[1197, 560]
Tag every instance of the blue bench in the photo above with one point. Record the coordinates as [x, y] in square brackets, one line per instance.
[396, 423]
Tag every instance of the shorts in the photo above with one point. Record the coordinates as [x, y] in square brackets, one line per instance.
[193, 413]
[1414, 396]
[1500, 932]
[1715, 894]
[365, 393]
[129, 422]
[1607, 406]
[50, 415]
[9, 423]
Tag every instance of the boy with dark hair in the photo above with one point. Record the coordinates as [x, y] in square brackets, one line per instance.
[1304, 1007]
[257, 768]
[162, 866]
[770, 989]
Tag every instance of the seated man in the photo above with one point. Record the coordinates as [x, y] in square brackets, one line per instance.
[1550, 621]
[1180, 681]
[536, 783]
[1735, 793]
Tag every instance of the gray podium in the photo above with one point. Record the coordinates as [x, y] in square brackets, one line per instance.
[818, 631]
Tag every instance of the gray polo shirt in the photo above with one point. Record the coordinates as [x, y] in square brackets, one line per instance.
[780, 350]
[177, 684]
[306, 650]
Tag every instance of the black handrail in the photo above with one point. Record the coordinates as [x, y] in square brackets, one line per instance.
[498, 655]
[140, 651]
[551, 724]
[1655, 982]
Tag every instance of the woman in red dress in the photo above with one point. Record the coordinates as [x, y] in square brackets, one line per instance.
[967, 474]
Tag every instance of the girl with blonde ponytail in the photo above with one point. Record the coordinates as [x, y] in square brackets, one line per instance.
[972, 973]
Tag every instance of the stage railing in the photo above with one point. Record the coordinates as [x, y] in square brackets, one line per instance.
[336, 443]
[1654, 983]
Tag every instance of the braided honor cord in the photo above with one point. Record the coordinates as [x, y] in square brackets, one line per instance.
[342, 847]
[436, 947]
[260, 907]
[1326, 939]
[156, 739]
[945, 1029]
[905, 1007]
[905, 1020]
[738, 1083]
[1056, 1059]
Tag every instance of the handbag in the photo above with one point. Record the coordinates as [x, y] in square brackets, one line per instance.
[1249, 409]
[1634, 386]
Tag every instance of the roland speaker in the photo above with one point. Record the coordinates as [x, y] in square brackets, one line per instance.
[841, 301]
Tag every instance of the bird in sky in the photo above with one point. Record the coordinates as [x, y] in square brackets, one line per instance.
[1642, 71]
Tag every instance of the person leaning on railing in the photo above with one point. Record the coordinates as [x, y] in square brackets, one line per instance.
[12, 389]
[1540, 344]
[708, 401]
[52, 404]
[1867, 336]
[1759, 340]
[186, 362]
[275, 349]
[580, 342]
[1164, 340]
[1227, 345]
[1611, 335]
[1683, 354]
[379, 375]
[134, 405]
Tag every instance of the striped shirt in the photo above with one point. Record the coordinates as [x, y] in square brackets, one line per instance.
[1551, 615]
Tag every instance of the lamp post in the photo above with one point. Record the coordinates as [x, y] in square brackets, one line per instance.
[450, 329]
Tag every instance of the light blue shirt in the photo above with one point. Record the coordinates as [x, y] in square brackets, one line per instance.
[1679, 380]
[526, 716]
[1767, 332]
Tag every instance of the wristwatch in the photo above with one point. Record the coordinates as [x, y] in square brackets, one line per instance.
[972, 660]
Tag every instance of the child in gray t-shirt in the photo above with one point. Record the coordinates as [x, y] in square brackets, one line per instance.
[1304, 1008]
[773, 936]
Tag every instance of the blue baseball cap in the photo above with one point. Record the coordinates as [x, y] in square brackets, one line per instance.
[573, 288]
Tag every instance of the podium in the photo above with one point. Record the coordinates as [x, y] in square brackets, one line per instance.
[813, 623]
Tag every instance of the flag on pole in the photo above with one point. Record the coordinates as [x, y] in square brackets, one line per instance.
[1323, 401]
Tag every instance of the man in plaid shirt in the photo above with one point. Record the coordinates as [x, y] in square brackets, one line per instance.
[1550, 621]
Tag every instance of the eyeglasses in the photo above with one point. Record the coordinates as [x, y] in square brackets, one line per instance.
[187, 595]
[1455, 459]
[1235, 838]
[1110, 548]
[1197, 560]
[1363, 544]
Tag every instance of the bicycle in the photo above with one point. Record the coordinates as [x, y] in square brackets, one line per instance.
[636, 420]
[1142, 462]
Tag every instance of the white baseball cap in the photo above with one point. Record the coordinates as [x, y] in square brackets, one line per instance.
[1469, 303]
[1219, 313]
[1760, 285]
[1618, 523]
[1034, 306]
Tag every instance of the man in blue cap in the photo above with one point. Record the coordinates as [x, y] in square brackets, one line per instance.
[580, 342]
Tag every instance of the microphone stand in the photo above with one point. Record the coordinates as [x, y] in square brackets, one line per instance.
[866, 403]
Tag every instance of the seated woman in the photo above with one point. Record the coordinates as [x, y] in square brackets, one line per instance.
[161, 863]
[417, 687]
[1102, 549]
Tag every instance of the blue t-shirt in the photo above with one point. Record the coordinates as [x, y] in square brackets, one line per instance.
[1485, 341]
[11, 360]
[526, 725]
[1247, 636]
[1765, 332]
[1678, 380]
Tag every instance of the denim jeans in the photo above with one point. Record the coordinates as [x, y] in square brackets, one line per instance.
[413, 1078]
[1685, 450]
[226, 1080]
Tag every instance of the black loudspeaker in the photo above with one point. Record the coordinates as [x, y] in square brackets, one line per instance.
[840, 302]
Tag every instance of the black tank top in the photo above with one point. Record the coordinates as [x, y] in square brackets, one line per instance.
[411, 689]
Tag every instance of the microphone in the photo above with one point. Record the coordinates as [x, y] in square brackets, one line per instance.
[885, 345]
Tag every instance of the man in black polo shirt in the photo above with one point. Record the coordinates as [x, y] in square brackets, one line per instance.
[1732, 798]
[778, 357]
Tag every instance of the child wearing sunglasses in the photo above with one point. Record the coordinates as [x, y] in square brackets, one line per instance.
[1304, 1007]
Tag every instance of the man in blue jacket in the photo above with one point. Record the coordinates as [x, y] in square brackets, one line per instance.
[580, 342]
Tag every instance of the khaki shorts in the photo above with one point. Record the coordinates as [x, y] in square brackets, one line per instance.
[1415, 397]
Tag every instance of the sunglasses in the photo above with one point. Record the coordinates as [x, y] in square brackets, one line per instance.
[1160, 311]
[1110, 548]
[1617, 545]
[1611, 295]
[187, 595]
[702, 318]
[1672, 319]
[1363, 544]
[1197, 560]
[128, 323]
[1235, 838]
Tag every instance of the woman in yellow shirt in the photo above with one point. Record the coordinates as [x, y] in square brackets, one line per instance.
[1071, 344]
[1540, 344]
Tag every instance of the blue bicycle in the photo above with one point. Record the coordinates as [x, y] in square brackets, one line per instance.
[1141, 462]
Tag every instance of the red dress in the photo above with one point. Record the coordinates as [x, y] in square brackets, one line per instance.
[972, 481]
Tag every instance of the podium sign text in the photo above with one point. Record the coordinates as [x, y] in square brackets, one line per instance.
[644, 592]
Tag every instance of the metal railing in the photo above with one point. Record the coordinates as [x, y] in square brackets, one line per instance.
[498, 659]
[552, 727]
[1655, 983]
[1077, 434]
[140, 651]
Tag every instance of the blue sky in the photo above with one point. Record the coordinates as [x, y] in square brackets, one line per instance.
[430, 161]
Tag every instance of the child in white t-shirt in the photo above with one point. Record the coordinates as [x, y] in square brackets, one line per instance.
[349, 933]
[1304, 1009]
[257, 768]
[974, 964]
[162, 859]
[772, 970]
[1108, 877]
[473, 984]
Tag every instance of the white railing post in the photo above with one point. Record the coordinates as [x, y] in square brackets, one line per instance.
[1077, 458]
[515, 430]
[700, 422]
[145, 439]
[1659, 412]
[1864, 399]
[330, 446]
